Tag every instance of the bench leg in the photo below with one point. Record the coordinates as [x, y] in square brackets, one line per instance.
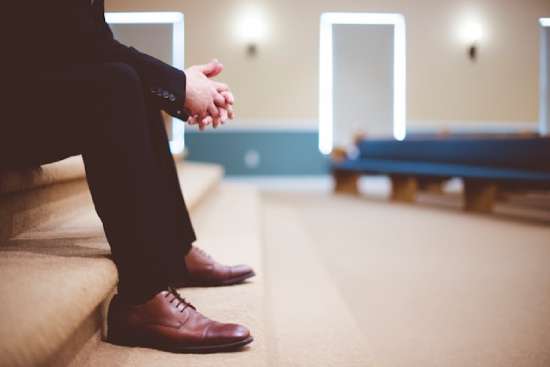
[404, 188]
[433, 187]
[346, 182]
[502, 196]
[479, 197]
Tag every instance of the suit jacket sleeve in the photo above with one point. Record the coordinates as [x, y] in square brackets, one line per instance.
[165, 84]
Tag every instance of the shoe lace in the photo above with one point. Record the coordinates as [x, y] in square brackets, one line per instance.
[178, 299]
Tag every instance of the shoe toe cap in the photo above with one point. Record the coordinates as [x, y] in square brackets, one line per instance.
[227, 333]
[242, 270]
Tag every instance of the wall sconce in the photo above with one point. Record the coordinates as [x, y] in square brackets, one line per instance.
[252, 49]
[472, 34]
[472, 52]
[251, 29]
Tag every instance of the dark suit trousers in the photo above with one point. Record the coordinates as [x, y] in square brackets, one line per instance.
[102, 112]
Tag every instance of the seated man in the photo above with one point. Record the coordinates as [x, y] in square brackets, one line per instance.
[79, 91]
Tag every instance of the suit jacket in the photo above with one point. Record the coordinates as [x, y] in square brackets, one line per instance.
[55, 34]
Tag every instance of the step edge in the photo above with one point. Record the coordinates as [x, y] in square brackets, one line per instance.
[18, 180]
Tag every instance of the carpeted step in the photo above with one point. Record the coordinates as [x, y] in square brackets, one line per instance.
[228, 227]
[55, 277]
[309, 322]
[34, 195]
[198, 179]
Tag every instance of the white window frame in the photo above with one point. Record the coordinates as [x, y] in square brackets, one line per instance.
[177, 144]
[328, 20]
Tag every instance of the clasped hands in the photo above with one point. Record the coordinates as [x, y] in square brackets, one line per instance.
[208, 102]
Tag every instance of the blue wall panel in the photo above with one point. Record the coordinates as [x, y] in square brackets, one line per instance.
[269, 152]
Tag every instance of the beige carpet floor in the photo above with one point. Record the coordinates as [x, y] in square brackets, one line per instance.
[309, 323]
[428, 285]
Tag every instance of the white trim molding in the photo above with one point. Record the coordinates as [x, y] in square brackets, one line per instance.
[328, 20]
[177, 144]
[265, 125]
[143, 17]
[298, 125]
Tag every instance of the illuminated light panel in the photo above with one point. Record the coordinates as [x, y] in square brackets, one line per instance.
[326, 123]
[544, 79]
[251, 24]
[472, 33]
[177, 144]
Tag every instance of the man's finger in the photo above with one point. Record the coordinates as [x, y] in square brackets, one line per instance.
[193, 120]
[217, 71]
[224, 115]
[205, 122]
[229, 98]
[212, 69]
[208, 69]
[219, 100]
[221, 87]
[201, 113]
[230, 112]
[217, 121]
[213, 110]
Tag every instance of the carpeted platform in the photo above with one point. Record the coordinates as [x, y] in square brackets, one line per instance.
[309, 322]
[428, 285]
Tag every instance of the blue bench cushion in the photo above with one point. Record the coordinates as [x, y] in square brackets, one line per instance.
[532, 154]
[434, 169]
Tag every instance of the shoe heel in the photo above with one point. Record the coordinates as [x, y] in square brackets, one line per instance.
[117, 337]
[116, 332]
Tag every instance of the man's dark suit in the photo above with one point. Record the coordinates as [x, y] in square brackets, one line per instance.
[79, 91]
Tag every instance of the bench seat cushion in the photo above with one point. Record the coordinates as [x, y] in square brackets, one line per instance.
[445, 170]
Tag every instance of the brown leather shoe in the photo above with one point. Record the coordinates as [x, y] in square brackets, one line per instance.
[204, 271]
[168, 322]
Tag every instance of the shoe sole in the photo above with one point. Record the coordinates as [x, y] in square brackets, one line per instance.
[223, 283]
[190, 349]
[215, 348]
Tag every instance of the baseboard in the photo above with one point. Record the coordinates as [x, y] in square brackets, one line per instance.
[289, 147]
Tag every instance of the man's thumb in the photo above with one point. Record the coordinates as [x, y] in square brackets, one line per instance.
[211, 69]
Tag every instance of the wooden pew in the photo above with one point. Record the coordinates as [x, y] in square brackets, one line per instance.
[488, 166]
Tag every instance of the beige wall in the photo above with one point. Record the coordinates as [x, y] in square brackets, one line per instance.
[281, 82]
